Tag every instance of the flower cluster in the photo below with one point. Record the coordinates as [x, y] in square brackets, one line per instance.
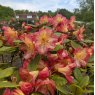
[49, 41]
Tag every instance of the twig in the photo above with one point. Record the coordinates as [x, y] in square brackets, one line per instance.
[12, 56]
[2, 58]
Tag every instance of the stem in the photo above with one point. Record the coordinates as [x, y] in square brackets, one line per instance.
[57, 92]
[20, 55]
[2, 58]
[75, 91]
[12, 56]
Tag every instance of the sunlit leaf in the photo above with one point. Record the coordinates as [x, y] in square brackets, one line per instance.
[6, 72]
[58, 47]
[6, 49]
[63, 89]
[59, 80]
[18, 42]
[4, 84]
[84, 82]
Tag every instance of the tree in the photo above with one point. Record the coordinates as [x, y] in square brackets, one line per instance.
[6, 13]
[64, 12]
[22, 11]
[86, 10]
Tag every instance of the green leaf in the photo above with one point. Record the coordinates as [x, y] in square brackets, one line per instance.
[88, 41]
[36, 93]
[1, 43]
[84, 82]
[4, 84]
[6, 72]
[58, 47]
[76, 89]
[58, 34]
[75, 45]
[34, 63]
[91, 65]
[63, 89]
[59, 80]
[88, 91]
[60, 84]
[67, 40]
[16, 74]
[91, 59]
[4, 65]
[90, 86]
[18, 42]
[6, 49]
[78, 74]
[0, 69]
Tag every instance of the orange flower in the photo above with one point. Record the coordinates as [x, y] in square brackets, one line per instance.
[44, 19]
[66, 70]
[45, 87]
[30, 46]
[17, 92]
[10, 35]
[71, 23]
[91, 50]
[45, 40]
[79, 33]
[63, 27]
[58, 19]
[27, 76]
[81, 57]
[62, 53]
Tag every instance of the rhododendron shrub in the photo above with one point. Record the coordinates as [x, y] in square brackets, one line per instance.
[55, 58]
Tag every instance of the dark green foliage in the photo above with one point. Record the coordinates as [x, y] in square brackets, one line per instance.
[6, 13]
[86, 11]
[34, 63]
[64, 12]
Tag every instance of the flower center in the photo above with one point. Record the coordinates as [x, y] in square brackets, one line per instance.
[81, 55]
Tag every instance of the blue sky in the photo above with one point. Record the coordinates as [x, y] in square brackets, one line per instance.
[43, 5]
